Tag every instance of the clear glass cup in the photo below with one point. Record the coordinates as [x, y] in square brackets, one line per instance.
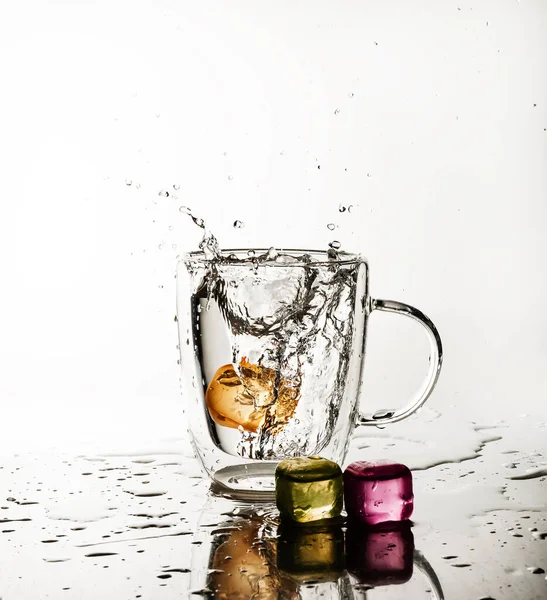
[272, 348]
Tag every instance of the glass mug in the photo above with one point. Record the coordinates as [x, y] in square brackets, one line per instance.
[272, 347]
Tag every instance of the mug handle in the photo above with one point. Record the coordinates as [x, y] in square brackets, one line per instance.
[392, 415]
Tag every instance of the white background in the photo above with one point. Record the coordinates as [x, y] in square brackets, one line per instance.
[428, 117]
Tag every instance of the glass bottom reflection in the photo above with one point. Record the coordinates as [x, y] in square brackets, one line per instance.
[243, 552]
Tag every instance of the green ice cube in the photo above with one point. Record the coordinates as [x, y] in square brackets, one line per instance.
[308, 489]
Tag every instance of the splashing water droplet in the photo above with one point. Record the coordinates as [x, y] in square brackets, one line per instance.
[184, 209]
[335, 245]
[272, 254]
[342, 208]
[128, 182]
[238, 224]
[163, 193]
[250, 253]
[331, 226]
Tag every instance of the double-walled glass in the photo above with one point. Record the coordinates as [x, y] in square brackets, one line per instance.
[272, 352]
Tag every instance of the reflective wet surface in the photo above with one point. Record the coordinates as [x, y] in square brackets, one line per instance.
[139, 522]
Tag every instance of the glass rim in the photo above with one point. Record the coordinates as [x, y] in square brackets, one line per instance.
[344, 258]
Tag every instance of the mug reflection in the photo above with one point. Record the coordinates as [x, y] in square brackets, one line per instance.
[244, 553]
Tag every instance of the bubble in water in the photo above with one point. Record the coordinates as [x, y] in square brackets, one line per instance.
[176, 186]
[163, 193]
[335, 245]
[128, 182]
[342, 208]
[238, 224]
[331, 226]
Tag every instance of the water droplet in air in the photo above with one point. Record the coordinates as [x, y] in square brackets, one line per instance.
[350, 208]
[331, 226]
[335, 245]
[163, 193]
[238, 224]
[128, 182]
[336, 111]
[138, 186]
[230, 177]
[351, 95]
[176, 186]
[160, 247]
[170, 227]
[342, 208]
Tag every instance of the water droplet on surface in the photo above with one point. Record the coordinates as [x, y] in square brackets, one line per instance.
[163, 193]
[535, 570]
[331, 226]
[238, 224]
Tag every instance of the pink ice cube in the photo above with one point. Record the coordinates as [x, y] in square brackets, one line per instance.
[378, 491]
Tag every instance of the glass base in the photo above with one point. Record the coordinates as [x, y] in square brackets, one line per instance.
[254, 482]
